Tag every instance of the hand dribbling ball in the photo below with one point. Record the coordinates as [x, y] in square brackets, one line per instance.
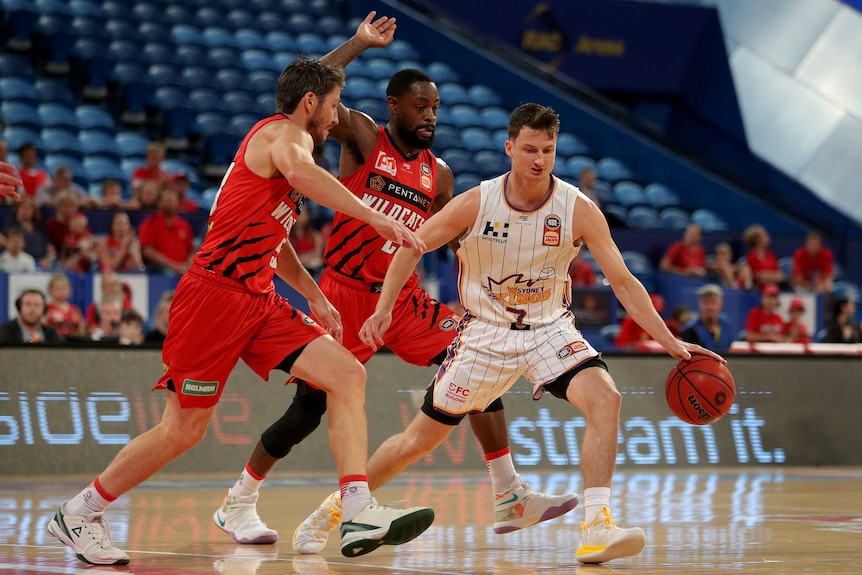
[700, 390]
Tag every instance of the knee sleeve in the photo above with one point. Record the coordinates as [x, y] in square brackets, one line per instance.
[297, 423]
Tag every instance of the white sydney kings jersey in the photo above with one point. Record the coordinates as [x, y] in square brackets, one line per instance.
[513, 264]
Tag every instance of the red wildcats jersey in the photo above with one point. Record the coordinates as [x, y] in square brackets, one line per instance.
[392, 185]
[249, 222]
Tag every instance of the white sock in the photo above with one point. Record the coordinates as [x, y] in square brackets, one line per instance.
[502, 470]
[355, 495]
[247, 484]
[92, 499]
[594, 499]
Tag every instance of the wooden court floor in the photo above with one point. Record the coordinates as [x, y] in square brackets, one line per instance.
[753, 520]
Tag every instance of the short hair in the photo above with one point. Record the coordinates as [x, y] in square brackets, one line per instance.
[710, 289]
[751, 234]
[132, 316]
[62, 170]
[534, 116]
[26, 147]
[14, 232]
[58, 277]
[37, 213]
[302, 76]
[402, 80]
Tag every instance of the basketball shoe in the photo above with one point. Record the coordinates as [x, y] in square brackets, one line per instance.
[378, 525]
[521, 507]
[602, 540]
[311, 535]
[89, 537]
[238, 518]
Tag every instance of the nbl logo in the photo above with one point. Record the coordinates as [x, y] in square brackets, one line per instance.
[496, 229]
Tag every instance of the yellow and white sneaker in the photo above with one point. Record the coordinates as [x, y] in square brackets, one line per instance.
[311, 535]
[602, 540]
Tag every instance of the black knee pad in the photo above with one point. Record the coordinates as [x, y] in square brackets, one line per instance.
[298, 422]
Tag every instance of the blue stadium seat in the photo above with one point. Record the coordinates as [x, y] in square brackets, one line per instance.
[459, 160]
[465, 181]
[604, 191]
[121, 30]
[55, 7]
[786, 265]
[499, 137]
[238, 102]
[280, 41]
[18, 90]
[709, 221]
[266, 103]
[268, 21]
[117, 10]
[208, 198]
[192, 55]
[401, 50]
[299, 22]
[216, 36]
[644, 217]
[249, 39]
[131, 144]
[358, 87]
[95, 118]
[88, 27]
[54, 92]
[374, 107]
[612, 170]
[58, 116]
[561, 170]
[52, 161]
[442, 72]
[164, 74]
[146, 12]
[494, 118]
[570, 145]
[173, 166]
[98, 169]
[241, 123]
[209, 16]
[20, 115]
[616, 210]
[209, 123]
[660, 196]
[257, 60]
[129, 165]
[121, 50]
[641, 267]
[481, 96]
[187, 34]
[330, 26]
[262, 81]
[609, 335]
[229, 79]
[97, 143]
[311, 43]
[196, 77]
[224, 57]
[206, 100]
[673, 218]
[21, 18]
[87, 8]
[577, 164]
[17, 137]
[476, 139]
[55, 141]
[16, 66]
[237, 19]
[158, 52]
[490, 163]
[464, 116]
[452, 93]
[629, 194]
[154, 32]
[446, 137]
[219, 150]
[845, 290]
[177, 125]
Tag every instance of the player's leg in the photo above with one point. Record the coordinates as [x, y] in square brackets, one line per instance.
[590, 388]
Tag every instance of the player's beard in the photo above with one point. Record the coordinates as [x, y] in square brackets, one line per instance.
[413, 139]
[316, 129]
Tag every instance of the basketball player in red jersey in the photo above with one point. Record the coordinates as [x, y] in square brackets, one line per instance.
[225, 308]
[394, 172]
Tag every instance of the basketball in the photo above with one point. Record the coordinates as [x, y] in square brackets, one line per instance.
[700, 390]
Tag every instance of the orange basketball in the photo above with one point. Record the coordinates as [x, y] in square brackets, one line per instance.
[700, 390]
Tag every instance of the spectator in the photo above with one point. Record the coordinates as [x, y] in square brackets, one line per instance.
[723, 270]
[63, 315]
[15, 259]
[631, 334]
[843, 327]
[28, 327]
[47, 194]
[27, 217]
[686, 257]
[679, 316]
[152, 171]
[112, 196]
[581, 273]
[710, 328]
[587, 185]
[120, 250]
[79, 246]
[113, 287]
[32, 176]
[763, 263]
[160, 324]
[167, 241]
[812, 266]
[109, 316]
[764, 323]
[307, 242]
[180, 182]
[794, 329]
[131, 328]
[146, 196]
[58, 226]
[4, 158]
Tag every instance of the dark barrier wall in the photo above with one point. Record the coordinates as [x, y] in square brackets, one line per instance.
[69, 412]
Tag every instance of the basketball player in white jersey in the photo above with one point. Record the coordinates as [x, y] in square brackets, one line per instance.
[518, 233]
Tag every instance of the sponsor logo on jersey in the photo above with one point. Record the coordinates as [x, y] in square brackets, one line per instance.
[407, 167]
[192, 387]
[571, 349]
[515, 290]
[457, 393]
[448, 324]
[399, 192]
[496, 231]
[551, 235]
[376, 183]
[425, 182]
[386, 164]
[425, 169]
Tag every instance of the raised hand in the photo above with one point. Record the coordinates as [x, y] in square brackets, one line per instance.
[376, 33]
